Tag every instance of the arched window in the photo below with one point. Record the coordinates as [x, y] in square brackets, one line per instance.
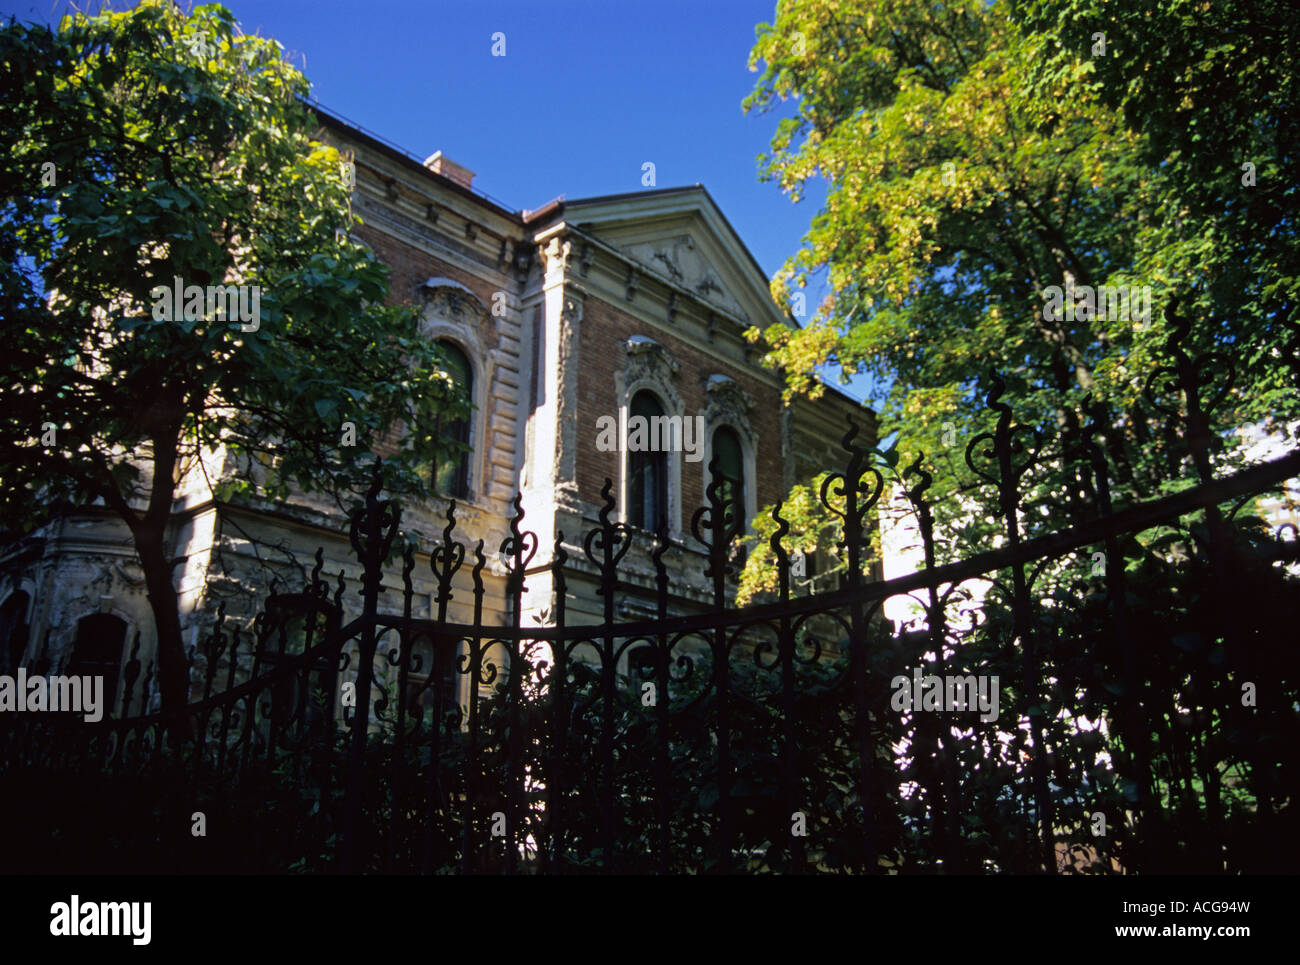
[13, 629]
[731, 464]
[451, 473]
[98, 650]
[647, 490]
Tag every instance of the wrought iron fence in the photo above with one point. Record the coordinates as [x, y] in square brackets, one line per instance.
[773, 737]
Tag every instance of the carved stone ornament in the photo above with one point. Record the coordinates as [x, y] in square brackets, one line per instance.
[450, 299]
[524, 254]
[571, 313]
[682, 261]
[727, 403]
[556, 254]
[647, 359]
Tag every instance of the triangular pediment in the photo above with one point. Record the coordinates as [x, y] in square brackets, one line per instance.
[680, 258]
[681, 235]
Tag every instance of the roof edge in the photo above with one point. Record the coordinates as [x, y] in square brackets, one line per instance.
[410, 161]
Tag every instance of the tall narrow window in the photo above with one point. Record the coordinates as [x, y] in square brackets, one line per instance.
[13, 629]
[731, 464]
[647, 490]
[98, 650]
[451, 474]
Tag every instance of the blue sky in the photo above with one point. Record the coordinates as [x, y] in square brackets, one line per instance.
[586, 93]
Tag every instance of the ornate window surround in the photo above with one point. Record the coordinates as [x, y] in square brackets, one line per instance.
[729, 405]
[453, 313]
[649, 367]
[110, 606]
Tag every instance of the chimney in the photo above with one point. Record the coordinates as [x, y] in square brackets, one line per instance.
[448, 168]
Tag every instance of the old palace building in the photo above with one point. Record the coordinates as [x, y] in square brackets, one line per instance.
[557, 320]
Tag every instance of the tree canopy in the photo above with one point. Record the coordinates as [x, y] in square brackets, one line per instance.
[151, 152]
[983, 160]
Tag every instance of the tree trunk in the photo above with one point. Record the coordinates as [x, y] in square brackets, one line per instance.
[163, 419]
[173, 667]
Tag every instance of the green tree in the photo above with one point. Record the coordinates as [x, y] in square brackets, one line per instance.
[972, 164]
[979, 155]
[152, 145]
[1209, 89]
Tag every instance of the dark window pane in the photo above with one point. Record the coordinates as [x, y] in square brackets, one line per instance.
[731, 463]
[451, 475]
[13, 629]
[98, 650]
[648, 485]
